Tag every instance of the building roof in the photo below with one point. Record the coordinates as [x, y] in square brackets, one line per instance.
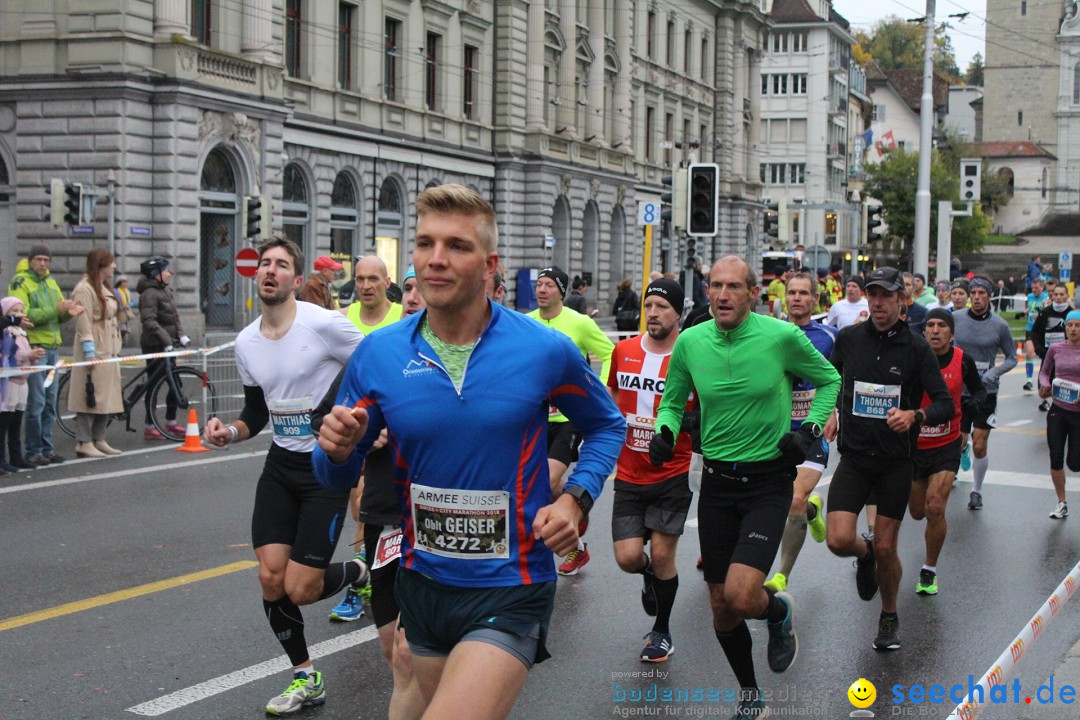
[909, 82]
[793, 11]
[1012, 149]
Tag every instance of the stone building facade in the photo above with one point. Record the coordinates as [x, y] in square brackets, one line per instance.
[341, 113]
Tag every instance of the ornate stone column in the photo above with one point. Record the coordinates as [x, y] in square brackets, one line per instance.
[171, 17]
[534, 71]
[623, 43]
[256, 33]
[594, 118]
[568, 69]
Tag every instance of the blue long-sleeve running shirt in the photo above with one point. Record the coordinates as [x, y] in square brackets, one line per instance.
[470, 468]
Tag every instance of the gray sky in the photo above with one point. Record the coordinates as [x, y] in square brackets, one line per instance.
[863, 13]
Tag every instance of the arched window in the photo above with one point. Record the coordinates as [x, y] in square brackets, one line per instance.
[1006, 174]
[217, 174]
[1076, 84]
[389, 224]
[344, 219]
[295, 208]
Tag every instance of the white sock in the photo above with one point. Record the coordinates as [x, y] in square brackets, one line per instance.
[979, 466]
[930, 568]
[310, 670]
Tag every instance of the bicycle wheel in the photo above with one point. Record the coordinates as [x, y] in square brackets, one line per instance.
[65, 419]
[190, 382]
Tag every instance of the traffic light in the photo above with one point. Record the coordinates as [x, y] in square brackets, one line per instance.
[252, 216]
[674, 202]
[691, 251]
[73, 204]
[703, 191]
[56, 201]
[970, 179]
[873, 223]
[772, 219]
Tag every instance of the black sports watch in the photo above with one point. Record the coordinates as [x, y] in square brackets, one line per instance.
[581, 495]
[920, 417]
[813, 428]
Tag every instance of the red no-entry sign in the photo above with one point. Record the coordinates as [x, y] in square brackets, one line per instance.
[247, 262]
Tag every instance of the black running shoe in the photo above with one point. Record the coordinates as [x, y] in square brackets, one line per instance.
[866, 572]
[888, 633]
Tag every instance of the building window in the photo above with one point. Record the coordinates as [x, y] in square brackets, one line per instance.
[1020, 117]
[431, 70]
[650, 118]
[391, 68]
[346, 14]
[650, 34]
[798, 84]
[1076, 84]
[703, 133]
[1023, 7]
[200, 20]
[798, 173]
[777, 173]
[687, 49]
[798, 42]
[669, 122]
[292, 38]
[878, 115]
[295, 208]
[763, 171]
[1045, 179]
[344, 220]
[764, 84]
[671, 43]
[472, 72]
[779, 84]
[704, 74]
[779, 42]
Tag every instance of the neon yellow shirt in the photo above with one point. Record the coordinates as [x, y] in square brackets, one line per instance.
[392, 316]
[586, 334]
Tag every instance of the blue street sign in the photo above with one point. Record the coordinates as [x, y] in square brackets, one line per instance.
[140, 230]
[82, 229]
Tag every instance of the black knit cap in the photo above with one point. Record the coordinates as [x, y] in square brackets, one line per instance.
[557, 274]
[668, 289]
[944, 315]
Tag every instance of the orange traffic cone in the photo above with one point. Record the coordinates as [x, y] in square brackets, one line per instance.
[1020, 353]
[191, 436]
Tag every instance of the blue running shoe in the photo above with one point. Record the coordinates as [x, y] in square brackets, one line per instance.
[350, 608]
[965, 458]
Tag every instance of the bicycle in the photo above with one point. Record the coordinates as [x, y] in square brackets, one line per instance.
[187, 384]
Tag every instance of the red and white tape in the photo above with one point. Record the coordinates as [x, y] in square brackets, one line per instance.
[51, 369]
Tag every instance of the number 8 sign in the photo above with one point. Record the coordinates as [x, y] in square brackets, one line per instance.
[648, 210]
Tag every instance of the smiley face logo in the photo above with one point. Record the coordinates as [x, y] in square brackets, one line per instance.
[862, 693]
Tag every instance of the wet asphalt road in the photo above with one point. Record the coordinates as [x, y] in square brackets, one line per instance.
[155, 516]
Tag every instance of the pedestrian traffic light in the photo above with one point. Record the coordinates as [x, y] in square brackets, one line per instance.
[970, 179]
[252, 216]
[772, 219]
[703, 192]
[673, 203]
[873, 223]
[691, 251]
[56, 202]
[73, 204]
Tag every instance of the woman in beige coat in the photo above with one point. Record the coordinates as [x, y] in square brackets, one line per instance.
[95, 391]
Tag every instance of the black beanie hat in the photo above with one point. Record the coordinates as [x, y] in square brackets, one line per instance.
[668, 289]
[557, 274]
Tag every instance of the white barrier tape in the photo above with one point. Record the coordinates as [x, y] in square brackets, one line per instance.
[1008, 660]
[30, 370]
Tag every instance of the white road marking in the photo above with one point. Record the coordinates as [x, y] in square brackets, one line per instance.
[1018, 423]
[133, 471]
[233, 680]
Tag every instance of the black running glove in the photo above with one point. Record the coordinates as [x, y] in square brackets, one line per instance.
[795, 446]
[662, 446]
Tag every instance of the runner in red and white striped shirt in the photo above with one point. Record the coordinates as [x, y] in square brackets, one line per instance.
[651, 502]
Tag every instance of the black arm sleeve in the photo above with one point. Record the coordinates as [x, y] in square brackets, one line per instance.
[972, 381]
[326, 404]
[1038, 334]
[255, 413]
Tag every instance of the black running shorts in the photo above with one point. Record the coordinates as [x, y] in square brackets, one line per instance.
[940, 459]
[563, 442]
[292, 509]
[741, 515]
[981, 419]
[660, 507]
[1063, 434]
[860, 477]
[436, 617]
